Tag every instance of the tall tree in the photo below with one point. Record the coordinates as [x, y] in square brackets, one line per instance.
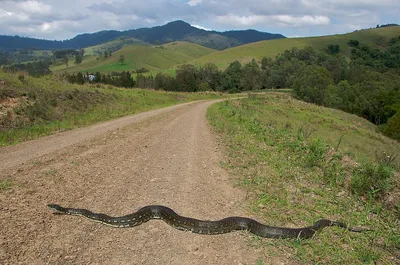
[186, 77]
[121, 59]
[78, 59]
[251, 76]
[232, 76]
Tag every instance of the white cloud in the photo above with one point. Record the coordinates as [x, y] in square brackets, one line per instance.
[34, 7]
[282, 20]
[302, 20]
[200, 27]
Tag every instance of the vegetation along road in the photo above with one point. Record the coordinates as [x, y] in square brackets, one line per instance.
[168, 157]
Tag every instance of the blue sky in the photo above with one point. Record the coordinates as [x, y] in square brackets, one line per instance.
[59, 20]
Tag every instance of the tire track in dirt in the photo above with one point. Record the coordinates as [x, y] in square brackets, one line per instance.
[170, 158]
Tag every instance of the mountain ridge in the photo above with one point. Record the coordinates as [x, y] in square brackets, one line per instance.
[173, 31]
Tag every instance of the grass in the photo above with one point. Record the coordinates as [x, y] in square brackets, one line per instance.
[46, 105]
[60, 66]
[153, 58]
[283, 152]
[5, 184]
[375, 38]
[113, 45]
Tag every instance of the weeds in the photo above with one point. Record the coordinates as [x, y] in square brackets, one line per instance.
[303, 133]
[371, 179]
[316, 152]
[5, 184]
[387, 158]
[295, 178]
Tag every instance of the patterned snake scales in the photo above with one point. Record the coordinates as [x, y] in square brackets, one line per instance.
[202, 227]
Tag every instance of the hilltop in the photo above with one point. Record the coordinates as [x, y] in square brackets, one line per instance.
[170, 32]
[374, 38]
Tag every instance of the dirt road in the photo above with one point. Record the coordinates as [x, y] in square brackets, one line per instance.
[168, 157]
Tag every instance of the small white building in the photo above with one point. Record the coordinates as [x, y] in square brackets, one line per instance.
[91, 77]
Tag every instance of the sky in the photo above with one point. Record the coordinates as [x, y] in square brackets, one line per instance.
[50, 19]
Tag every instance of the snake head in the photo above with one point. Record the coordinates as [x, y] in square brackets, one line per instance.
[57, 209]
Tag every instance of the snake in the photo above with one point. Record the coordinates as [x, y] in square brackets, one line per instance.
[222, 226]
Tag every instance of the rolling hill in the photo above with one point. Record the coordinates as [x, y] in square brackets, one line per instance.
[166, 59]
[153, 58]
[114, 45]
[170, 32]
[374, 38]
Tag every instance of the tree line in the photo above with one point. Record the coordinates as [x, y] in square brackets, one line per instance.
[36, 69]
[367, 86]
[118, 79]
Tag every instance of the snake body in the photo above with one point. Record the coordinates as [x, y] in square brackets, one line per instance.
[222, 226]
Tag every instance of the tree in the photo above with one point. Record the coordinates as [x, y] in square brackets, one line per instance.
[97, 77]
[266, 63]
[333, 49]
[121, 59]
[310, 83]
[160, 81]
[187, 78]
[79, 78]
[210, 74]
[65, 60]
[105, 54]
[78, 59]
[126, 80]
[232, 77]
[353, 43]
[251, 76]
[393, 127]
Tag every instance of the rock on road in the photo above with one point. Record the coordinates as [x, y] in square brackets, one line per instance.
[167, 156]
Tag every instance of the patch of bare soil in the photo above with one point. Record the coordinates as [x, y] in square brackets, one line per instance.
[166, 157]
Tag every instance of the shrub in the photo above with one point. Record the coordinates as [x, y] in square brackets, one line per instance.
[393, 127]
[371, 179]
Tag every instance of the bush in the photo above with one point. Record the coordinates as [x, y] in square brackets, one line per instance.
[353, 43]
[371, 179]
[204, 86]
[393, 127]
[310, 83]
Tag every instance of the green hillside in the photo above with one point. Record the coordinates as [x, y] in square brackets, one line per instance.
[299, 162]
[153, 58]
[166, 57]
[31, 107]
[114, 45]
[375, 38]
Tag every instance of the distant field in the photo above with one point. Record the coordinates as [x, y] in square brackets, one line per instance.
[374, 38]
[153, 58]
